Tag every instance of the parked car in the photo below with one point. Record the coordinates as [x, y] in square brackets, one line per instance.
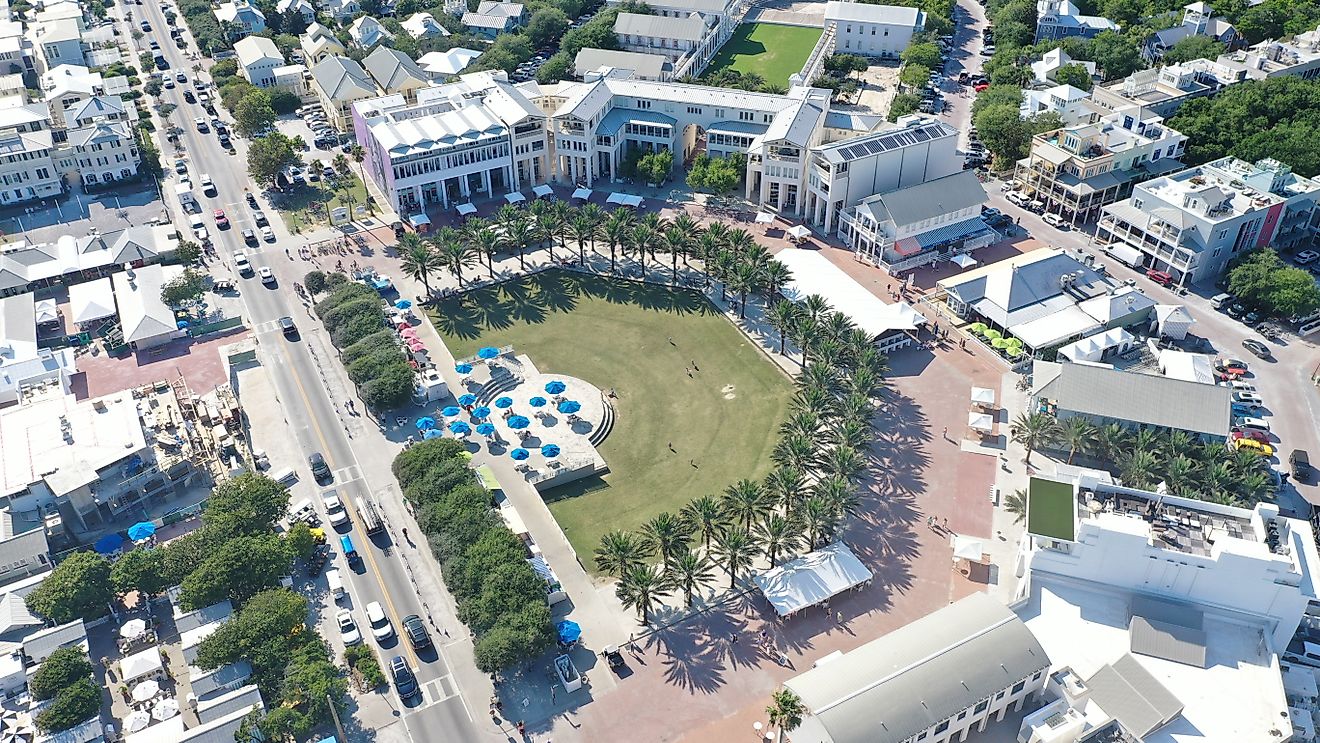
[267, 275]
[1249, 397]
[348, 629]
[1230, 364]
[1250, 433]
[1256, 347]
[1056, 221]
[268, 234]
[1246, 421]
[1252, 445]
[1306, 257]
[258, 216]
[381, 628]
[415, 628]
[1159, 277]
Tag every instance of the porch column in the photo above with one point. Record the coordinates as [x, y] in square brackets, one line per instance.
[444, 194]
[463, 186]
[485, 180]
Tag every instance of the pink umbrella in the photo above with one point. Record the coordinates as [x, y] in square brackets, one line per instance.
[409, 333]
[416, 346]
[403, 325]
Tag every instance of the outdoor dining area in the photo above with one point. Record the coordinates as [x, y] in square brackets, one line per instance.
[983, 413]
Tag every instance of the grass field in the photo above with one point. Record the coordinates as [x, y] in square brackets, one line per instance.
[617, 334]
[771, 50]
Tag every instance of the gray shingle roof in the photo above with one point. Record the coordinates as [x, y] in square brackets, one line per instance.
[918, 675]
[343, 79]
[691, 28]
[393, 69]
[1130, 694]
[1139, 398]
[933, 198]
[645, 65]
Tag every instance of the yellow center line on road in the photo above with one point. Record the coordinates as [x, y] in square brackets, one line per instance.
[357, 524]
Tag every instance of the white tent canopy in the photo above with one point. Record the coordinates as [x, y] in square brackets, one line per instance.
[137, 720]
[92, 300]
[764, 217]
[145, 690]
[964, 260]
[47, 311]
[543, 190]
[582, 193]
[514, 197]
[812, 578]
[968, 548]
[1093, 347]
[466, 209]
[140, 664]
[983, 396]
[624, 199]
[981, 422]
[813, 273]
[799, 231]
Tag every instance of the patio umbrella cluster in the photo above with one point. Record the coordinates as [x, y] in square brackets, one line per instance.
[141, 530]
[487, 353]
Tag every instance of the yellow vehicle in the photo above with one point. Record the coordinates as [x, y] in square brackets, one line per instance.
[1265, 450]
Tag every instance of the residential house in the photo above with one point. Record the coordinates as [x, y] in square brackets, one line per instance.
[439, 65]
[930, 220]
[67, 86]
[1072, 105]
[103, 151]
[24, 551]
[1044, 70]
[291, 77]
[423, 26]
[1163, 90]
[341, 10]
[1079, 169]
[338, 83]
[1198, 20]
[57, 42]
[1193, 222]
[99, 107]
[16, 55]
[1131, 399]
[642, 66]
[938, 679]
[367, 32]
[1299, 57]
[1059, 19]
[306, 9]
[257, 59]
[318, 43]
[396, 72]
[494, 18]
[882, 31]
[28, 171]
[240, 18]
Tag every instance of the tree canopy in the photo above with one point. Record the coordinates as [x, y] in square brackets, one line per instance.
[1264, 281]
[184, 289]
[269, 155]
[1276, 117]
[1193, 47]
[60, 669]
[1074, 75]
[140, 570]
[78, 588]
[236, 570]
[246, 505]
[253, 113]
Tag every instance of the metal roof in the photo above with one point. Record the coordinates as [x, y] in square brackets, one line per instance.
[645, 65]
[891, 688]
[1140, 398]
[893, 15]
[1163, 629]
[931, 199]
[343, 79]
[691, 28]
[1130, 694]
[873, 144]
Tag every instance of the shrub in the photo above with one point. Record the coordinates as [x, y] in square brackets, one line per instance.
[368, 346]
[350, 310]
[392, 389]
[315, 281]
[373, 365]
[356, 328]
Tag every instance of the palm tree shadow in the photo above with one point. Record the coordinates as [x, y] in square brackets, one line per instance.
[691, 660]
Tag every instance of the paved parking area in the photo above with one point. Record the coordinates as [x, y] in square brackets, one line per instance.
[79, 213]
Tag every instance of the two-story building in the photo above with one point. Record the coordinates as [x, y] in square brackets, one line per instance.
[396, 72]
[935, 219]
[688, 42]
[1072, 105]
[28, 169]
[338, 83]
[1193, 222]
[367, 32]
[318, 43]
[1059, 19]
[423, 26]
[492, 18]
[1198, 20]
[240, 18]
[57, 42]
[881, 31]
[1079, 169]
[257, 59]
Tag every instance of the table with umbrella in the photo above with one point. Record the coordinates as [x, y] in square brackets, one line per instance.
[480, 413]
[451, 411]
[467, 399]
[133, 629]
[486, 429]
[982, 423]
[425, 423]
[569, 632]
[555, 387]
[431, 433]
[519, 454]
[487, 353]
[464, 369]
[108, 544]
[165, 709]
[460, 428]
[504, 403]
[141, 530]
[798, 232]
[145, 691]
[403, 304]
[970, 550]
[137, 721]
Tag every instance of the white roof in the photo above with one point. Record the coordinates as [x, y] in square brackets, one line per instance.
[142, 314]
[18, 328]
[253, 49]
[893, 15]
[812, 578]
[814, 274]
[423, 24]
[140, 664]
[1190, 367]
[451, 62]
[33, 446]
[1055, 327]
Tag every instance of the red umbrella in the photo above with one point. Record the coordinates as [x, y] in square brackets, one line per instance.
[409, 333]
[403, 326]
[416, 346]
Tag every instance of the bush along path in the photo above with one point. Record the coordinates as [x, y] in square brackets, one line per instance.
[354, 316]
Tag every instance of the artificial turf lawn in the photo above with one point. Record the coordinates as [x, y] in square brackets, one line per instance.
[771, 50]
[613, 333]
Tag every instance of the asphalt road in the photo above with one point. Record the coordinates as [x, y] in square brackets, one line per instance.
[304, 373]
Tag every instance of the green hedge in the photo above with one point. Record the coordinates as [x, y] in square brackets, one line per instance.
[353, 315]
[483, 563]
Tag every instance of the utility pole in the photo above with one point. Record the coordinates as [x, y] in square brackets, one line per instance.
[339, 728]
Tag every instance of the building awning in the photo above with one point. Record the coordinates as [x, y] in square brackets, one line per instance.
[764, 218]
[1055, 328]
[812, 578]
[980, 422]
[543, 190]
[466, 209]
[950, 232]
[983, 396]
[582, 193]
[514, 198]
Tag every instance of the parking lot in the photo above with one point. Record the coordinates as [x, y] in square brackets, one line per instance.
[79, 213]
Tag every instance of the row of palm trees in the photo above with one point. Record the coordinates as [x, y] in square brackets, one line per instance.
[1145, 457]
[730, 255]
[800, 505]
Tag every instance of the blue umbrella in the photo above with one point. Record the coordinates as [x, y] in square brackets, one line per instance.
[520, 454]
[489, 352]
[536, 402]
[451, 411]
[486, 429]
[141, 530]
[550, 451]
[569, 406]
[402, 304]
[569, 632]
[504, 402]
[467, 399]
[432, 433]
[108, 543]
[426, 423]
[459, 427]
[464, 369]
[519, 421]
[556, 387]
[481, 412]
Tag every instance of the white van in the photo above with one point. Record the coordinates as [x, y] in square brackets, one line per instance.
[1219, 300]
[1308, 328]
[285, 476]
[1260, 424]
[336, 584]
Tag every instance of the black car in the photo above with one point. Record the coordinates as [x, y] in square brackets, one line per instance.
[415, 628]
[404, 681]
[320, 470]
[290, 330]
[249, 237]
[189, 97]
[260, 218]
[252, 199]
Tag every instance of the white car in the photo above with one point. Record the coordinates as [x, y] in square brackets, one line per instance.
[268, 234]
[1055, 221]
[241, 262]
[208, 186]
[1239, 386]
[267, 275]
[381, 628]
[347, 627]
[198, 227]
[334, 510]
[1244, 396]
[1246, 421]
[1307, 256]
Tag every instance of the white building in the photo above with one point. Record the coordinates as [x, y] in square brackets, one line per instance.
[1044, 70]
[257, 59]
[872, 30]
[936, 680]
[1198, 20]
[341, 10]
[1058, 19]
[439, 65]
[58, 42]
[599, 62]
[66, 86]
[396, 72]
[28, 170]
[1299, 57]
[103, 151]
[27, 266]
[1163, 616]
[423, 26]
[1163, 90]
[318, 43]
[688, 42]
[925, 222]
[492, 18]
[1071, 104]
[367, 32]
[243, 18]
[306, 9]
[338, 83]
[146, 320]
[1193, 222]
[23, 364]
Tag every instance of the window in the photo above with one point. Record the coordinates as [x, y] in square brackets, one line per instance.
[941, 727]
[1019, 686]
[982, 706]
[962, 715]
[1037, 676]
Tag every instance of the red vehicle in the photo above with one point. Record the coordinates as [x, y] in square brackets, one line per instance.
[221, 220]
[1250, 433]
[1159, 277]
[981, 87]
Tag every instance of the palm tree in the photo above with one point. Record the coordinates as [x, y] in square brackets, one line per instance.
[708, 245]
[1111, 440]
[1016, 504]
[801, 423]
[1252, 486]
[1031, 430]
[1138, 468]
[556, 222]
[583, 230]
[785, 712]
[641, 588]
[797, 452]
[736, 551]
[745, 501]
[706, 516]
[1078, 434]
[1179, 475]
[1216, 481]
[783, 316]
[539, 211]
[850, 432]
[775, 275]
[1245, 462]
[1145, 439]
[616, 229]
[690, 230]
[815, 306]
[666, 534]
[818, 518]
[676, 242]
[619, 551]
[777, 534]
[519, 234]
[419, 261]
[843, 461]
[509, 214]
[745, 279]
[783, 486]
[454, 254]
[359, 155]
[839, 493]
[472, 226]
[641, 241]
[1177, 443]
[689, 572]
[488, 242]
[815, 399]
[819, 376]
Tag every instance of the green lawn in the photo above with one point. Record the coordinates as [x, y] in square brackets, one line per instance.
[1051, 509]
[616, 334]
[771, 50]
[304, 208]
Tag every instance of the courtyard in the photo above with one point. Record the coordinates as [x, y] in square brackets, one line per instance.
[771, 50]
[680, 430]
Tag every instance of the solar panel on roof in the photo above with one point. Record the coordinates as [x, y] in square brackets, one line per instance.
[921, 135]
[889, 142]
[854, 152]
